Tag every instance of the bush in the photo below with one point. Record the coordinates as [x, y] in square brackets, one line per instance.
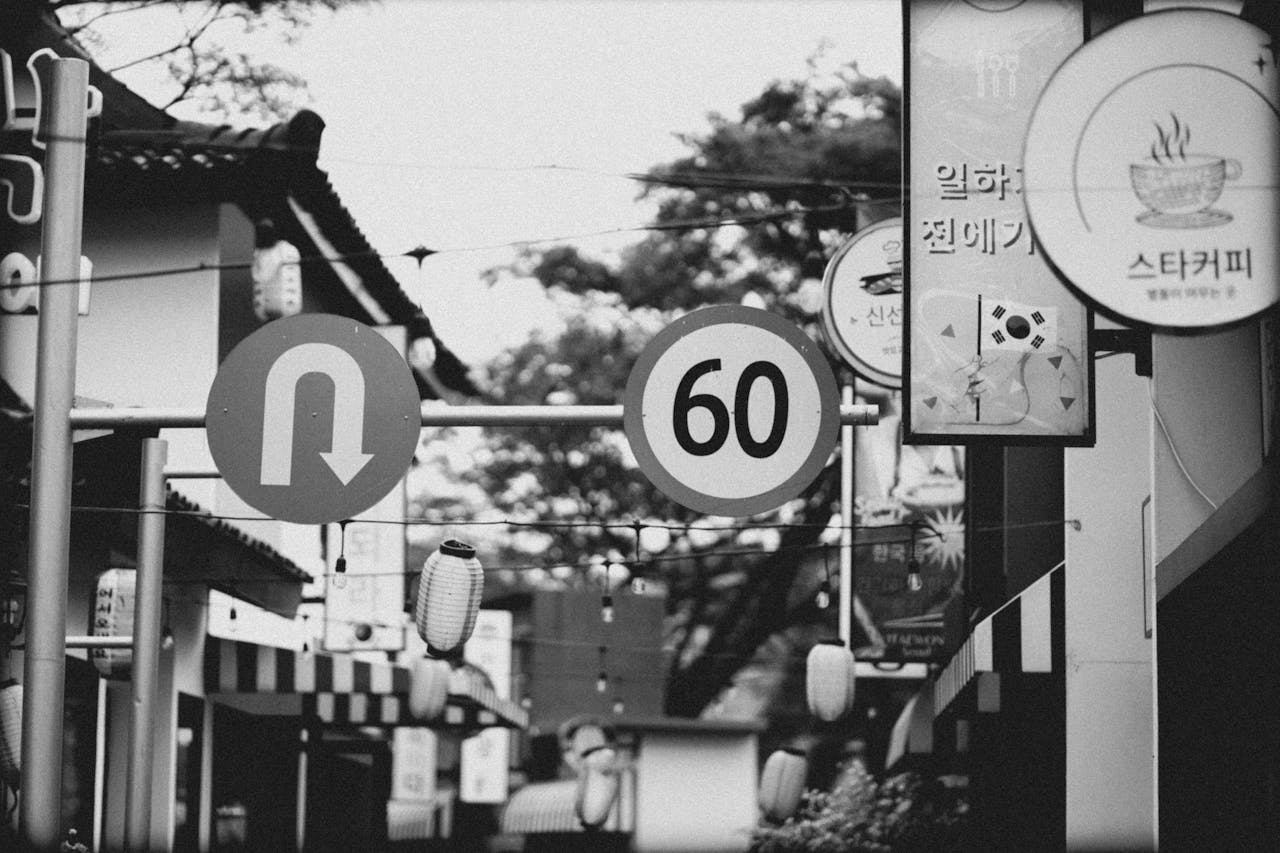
[906, 813]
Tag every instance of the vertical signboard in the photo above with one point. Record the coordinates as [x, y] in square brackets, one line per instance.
[413, 764]
[366, 612]
[997, 346]
[485, 757]
[908, 506]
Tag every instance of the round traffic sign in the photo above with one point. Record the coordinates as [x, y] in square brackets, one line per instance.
[862, 303]
[1150, 170]
[731, 410]
[313, 418]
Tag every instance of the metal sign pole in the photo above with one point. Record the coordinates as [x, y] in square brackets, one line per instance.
[847, 520]
[44, 669]
[148, 600]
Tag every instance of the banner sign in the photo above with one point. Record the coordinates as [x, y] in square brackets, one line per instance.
[909, 504]
[997, 346]
[1151, 167]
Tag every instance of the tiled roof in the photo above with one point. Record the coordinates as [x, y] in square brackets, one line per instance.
[178, 502]
[260, 170]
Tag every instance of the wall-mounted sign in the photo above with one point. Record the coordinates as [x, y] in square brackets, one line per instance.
[20, 284]
[113, 616]
[731, 410]
[862, 304]
[313, 418]
[997, 346]
[21, 104]
[1151, 167]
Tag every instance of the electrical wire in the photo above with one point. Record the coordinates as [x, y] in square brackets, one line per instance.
[422, 252]
[1173, 449]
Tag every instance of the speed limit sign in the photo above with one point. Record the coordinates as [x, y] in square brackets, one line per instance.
[731, 410]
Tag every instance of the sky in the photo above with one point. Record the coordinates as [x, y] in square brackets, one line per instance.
[460, 125]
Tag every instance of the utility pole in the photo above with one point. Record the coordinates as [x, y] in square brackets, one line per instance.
[64, 115]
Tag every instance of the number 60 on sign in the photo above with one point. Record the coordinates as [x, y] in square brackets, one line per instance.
[731, 411]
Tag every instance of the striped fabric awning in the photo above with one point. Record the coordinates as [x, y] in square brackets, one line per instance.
[341, 690]
[232, 666]
[549, 807]
[1027, 634]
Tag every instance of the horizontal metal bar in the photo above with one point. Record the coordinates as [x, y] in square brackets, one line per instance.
[99, 642]
[192, 474]
[435, 416]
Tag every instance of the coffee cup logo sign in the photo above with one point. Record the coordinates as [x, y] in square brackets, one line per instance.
[1150, 169]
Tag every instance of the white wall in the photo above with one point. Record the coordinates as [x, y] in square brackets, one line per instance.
[147, 341]
[695, 792]
[1208, 390]
[1109, 659]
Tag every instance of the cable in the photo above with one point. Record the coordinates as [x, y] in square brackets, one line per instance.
[422, 252]
[1174, 450]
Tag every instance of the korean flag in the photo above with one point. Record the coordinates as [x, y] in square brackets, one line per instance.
[1022, 328]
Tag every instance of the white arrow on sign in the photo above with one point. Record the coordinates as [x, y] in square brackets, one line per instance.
[345, 457]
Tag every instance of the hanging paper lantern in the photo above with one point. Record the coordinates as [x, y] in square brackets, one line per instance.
[276, 274]
[598, 786]
[428, 688]
[782, 783]
[829, 680]
[11, 732]
[113, 612]
[449, 597]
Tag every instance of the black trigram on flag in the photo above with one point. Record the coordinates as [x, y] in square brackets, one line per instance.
[1025, 328]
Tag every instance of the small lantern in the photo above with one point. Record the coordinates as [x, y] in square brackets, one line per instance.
[11, 732]
[829, 680]
[782, 783]
[276, 274]
[449, 593]
[428, 688]
[113, 611]
[598, 786]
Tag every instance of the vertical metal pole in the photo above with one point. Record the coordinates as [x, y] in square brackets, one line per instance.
[847, 519]
[148, 599]
[48, 560]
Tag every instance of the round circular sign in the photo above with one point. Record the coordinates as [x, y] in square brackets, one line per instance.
[1150, 169]
[313, 418]
[731, 410]
[862, 303]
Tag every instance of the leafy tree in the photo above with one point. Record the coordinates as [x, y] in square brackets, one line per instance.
[806, 164]
[906, 813]
[197, 61]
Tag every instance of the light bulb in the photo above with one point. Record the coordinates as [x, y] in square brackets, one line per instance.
[618, 707]
[340, 573]
[602, 683]
[915, 582]
[823, 598]
[606, 608]
[526, 703]
[638, 586]
[166, 638]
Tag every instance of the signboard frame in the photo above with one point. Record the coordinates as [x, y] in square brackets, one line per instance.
[995, 434]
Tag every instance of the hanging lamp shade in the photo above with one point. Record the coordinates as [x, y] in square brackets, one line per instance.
[11, 732]
[598, 786]
[829, 680]
[113, 612]
[782, 783]
[276, 274]
[449, 593]
[428, 688]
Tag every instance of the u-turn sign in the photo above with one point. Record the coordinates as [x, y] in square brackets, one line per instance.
[313, 418]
